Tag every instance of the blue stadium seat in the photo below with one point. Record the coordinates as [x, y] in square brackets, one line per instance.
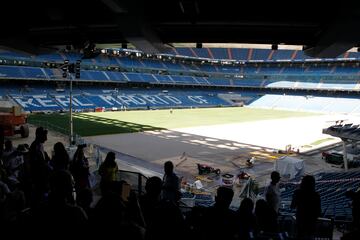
[282, 54]
[47, 99]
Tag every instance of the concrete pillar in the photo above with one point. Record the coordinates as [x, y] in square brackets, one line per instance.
[345, 156]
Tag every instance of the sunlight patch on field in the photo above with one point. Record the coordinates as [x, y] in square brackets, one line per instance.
[276, 133]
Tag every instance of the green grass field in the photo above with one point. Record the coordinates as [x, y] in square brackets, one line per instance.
[92, 124]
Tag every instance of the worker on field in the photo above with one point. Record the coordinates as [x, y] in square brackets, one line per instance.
[250, 162]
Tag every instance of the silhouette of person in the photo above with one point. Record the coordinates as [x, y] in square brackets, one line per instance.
[266, 217]
[9, 148]
[171, 185]
[58, 212]
[308, 207]
[60, 160]
[272, 193]
[151, 200]
[108, 169]
[79, 169]
[111, 212]
[246, 219]
[39, 168]
[220, 218]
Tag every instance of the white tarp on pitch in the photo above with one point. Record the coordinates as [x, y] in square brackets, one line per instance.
[289, 167]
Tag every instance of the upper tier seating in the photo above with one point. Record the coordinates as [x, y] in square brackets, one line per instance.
[275, 78]
[245, 54]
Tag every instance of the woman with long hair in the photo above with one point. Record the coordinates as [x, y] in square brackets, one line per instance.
[108, 171]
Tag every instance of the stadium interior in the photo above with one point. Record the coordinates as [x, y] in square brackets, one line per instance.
[134, 57]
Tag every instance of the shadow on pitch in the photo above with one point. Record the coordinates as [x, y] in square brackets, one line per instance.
[87, 125]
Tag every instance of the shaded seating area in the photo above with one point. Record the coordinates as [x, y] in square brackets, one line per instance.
[332, 187]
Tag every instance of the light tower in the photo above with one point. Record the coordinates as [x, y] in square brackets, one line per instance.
[67, 69]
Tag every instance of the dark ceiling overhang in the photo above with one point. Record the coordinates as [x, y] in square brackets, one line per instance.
[150, 25]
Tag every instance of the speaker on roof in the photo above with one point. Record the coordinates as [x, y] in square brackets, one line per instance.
[124, 45]
[198, 45]
[358, 49]
[274, 47]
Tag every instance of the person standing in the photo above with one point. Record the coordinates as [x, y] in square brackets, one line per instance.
[79, 169]
[60, 159]
[171, 185]
[39, 167]
[109, 168]
[108, 171]
[308, 208]
[272, 194]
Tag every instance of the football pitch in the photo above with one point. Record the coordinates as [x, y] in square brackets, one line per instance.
[221, 137]
[102, 123]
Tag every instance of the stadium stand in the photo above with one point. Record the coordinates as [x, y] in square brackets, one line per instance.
[134, 67]
[258, 54]
[45, 98]
[307, 103]
[332, 187]
[275, 79]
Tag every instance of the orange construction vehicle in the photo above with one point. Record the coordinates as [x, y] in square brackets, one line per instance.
[13, 120]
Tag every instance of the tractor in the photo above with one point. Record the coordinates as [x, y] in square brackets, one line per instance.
[12, 120]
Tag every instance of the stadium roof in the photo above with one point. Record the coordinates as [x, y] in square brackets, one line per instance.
[151, 25]
[345, 132]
